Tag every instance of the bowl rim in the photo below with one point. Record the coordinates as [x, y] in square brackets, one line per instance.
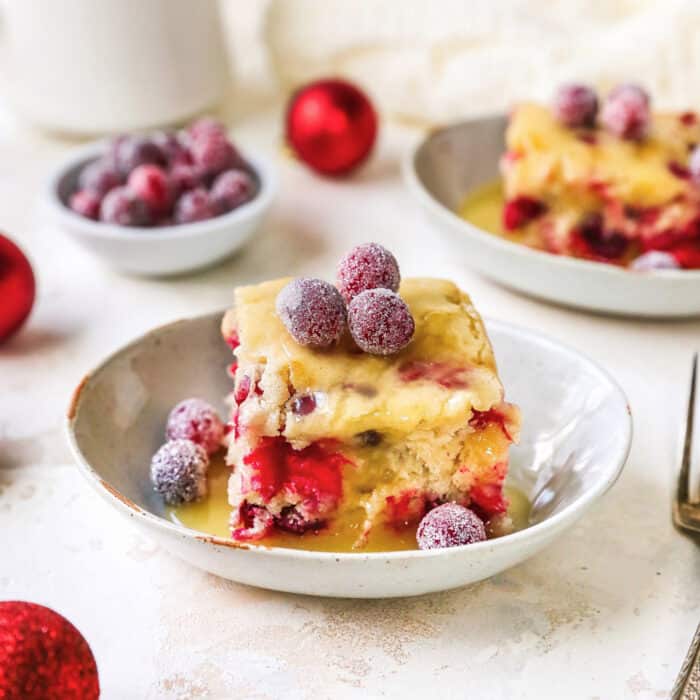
[550, 525]
[261, 165]
[421, 192]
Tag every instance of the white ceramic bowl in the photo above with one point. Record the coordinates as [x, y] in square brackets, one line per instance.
[576, 435]
[166, 250]
[451, 161]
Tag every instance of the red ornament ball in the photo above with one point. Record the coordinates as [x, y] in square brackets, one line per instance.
[332, 126]
[17, 288]
[43, 656]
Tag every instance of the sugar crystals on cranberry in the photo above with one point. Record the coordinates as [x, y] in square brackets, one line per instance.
[655, 260]
[164, 179]
[86, 203]
[179, 471]
[231, 189]
[313, 312]
[449, 525]
[121, 206]
[132, 151]
[367, 266]
[99, 177]
[151, 184]
[575, 105]
[194, 205]
[380, 322]
[197, 420]
[626, 112]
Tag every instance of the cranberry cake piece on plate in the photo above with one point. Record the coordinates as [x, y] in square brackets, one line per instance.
[323, 437]
[609, 190]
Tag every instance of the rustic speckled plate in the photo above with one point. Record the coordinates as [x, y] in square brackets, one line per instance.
[452, 161]
[576, 435]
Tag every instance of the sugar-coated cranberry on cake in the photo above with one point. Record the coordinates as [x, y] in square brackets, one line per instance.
[608, 184]
[390, 424]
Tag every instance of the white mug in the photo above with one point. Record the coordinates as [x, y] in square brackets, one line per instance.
[96, 66]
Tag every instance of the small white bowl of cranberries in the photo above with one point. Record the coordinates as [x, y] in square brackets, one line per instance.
[163, 203]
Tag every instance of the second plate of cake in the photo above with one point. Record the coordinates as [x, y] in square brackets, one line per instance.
[577, 216]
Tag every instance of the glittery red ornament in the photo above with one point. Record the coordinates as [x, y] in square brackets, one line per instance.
[43, 656]
[17, 289]
[331, 125]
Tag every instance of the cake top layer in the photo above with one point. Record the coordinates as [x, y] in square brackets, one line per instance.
[553, 163]
[446, 371]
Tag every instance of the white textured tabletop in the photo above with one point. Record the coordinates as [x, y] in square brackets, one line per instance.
[607, 612]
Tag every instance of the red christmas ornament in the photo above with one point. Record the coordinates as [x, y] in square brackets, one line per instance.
[17, 288]
[43, 656]
[331, 125]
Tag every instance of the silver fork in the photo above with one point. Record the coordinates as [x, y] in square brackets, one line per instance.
[686, 517]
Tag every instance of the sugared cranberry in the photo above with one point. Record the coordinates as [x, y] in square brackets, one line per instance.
[367, 266]
[196, 420]
[694, 165]
[179, 471]
[121, 206]
[520, 211]
[214, 153]
[312, 311]
[449, 525]
[132, 151]
[86, 203]
[626, 112]
[303, 404]
[100, 177]
[655, 260]
[231, 189]
[205, 126]
[575, 105]
[380, 322]
[150, 183]
[195, 205]
[171, 148]
[186, 176]
[291, 520]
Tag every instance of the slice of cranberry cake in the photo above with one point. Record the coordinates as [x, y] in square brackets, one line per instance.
[320, 434]
[609, 190]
